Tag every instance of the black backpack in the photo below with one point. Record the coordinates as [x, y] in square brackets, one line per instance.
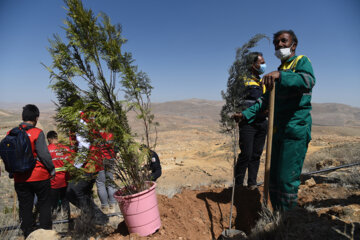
[16, 152]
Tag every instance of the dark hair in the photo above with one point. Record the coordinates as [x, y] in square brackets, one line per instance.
[291, 32]
[51, 135]
[30, 113]
[251, 58]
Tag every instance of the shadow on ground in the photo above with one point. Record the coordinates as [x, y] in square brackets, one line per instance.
[246, 207]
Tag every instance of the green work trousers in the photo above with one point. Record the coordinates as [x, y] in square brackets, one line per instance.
[290, 143]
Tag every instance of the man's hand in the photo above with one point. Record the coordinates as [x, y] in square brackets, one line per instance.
[237, 117]
[269, 79]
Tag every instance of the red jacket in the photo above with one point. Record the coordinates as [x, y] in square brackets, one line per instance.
[40, 172]
[101, 151]
[59, 154]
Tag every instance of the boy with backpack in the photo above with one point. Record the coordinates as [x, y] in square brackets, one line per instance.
[60, 155]
[27, 159]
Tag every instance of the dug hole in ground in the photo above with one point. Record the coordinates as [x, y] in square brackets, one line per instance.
[201, 214]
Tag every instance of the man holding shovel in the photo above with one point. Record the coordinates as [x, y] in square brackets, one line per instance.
[292, 120]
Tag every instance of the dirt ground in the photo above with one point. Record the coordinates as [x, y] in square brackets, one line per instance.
[194, 195]
[194, 191]
[204, 214]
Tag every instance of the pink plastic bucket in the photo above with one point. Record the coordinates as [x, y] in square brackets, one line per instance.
[140, 211]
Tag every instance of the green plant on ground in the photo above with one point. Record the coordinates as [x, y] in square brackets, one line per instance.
[88, 73]
[7, 210]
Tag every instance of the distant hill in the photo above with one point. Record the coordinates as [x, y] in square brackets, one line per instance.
[4, 113]
[192, 108]
[16, 107]
[323, 114]
[335, 114]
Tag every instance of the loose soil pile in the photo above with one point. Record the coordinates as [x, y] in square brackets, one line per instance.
[204, 214]
[201, 214]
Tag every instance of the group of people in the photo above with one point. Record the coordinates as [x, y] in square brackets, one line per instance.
[48, 187]
[293, 81]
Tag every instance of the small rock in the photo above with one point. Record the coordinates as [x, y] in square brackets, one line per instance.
[327, 163]
[310, 182]
[42, 234]
[179, 162]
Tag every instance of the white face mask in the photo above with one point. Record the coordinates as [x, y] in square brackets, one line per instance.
[283, 53]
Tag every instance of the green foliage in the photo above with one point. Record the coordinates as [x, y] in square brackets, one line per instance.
[137, 93]
[7, 210]
[235, 92]
[92, 55]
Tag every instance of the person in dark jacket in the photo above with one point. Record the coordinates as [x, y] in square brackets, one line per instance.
[155, 166]
[252, 135]
[154, 163]
[36, 181]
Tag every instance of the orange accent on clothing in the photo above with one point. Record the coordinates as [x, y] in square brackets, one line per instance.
[59, 154]
[100, 152]
[39, 173]
[97, 152]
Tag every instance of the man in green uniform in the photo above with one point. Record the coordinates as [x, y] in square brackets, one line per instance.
[292, 120]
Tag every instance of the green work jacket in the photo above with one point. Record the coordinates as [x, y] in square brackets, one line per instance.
[292, 94]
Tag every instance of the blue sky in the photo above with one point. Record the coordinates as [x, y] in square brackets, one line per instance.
[187, 46]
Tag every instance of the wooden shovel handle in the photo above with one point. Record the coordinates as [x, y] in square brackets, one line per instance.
[269, 145]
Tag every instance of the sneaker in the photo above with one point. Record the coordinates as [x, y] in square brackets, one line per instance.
[105, 209]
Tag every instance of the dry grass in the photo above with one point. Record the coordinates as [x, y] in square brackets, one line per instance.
[300, 223]
[346, 233]
[7, 234]
[340, 154]
[268, 225]
[351, 179]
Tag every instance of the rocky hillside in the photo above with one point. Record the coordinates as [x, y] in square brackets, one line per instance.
[176, 114]
[335, 114]
[323, 114]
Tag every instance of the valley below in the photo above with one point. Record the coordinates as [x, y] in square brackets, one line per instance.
[194, 191]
